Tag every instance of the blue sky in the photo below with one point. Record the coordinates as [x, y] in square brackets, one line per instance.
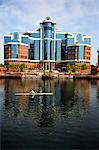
[70, 16]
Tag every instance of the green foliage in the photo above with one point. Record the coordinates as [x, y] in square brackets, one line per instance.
[84, 67]
[22, 67]
[68, 67]
[1, 65]
[71, 67]
[74, 68]
[11, 66]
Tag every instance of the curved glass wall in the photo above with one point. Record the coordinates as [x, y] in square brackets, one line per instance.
[47, 30]
[79, 38]
[15, 36]
[48, 42]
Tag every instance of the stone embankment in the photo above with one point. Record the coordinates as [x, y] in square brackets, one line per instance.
[48, 75]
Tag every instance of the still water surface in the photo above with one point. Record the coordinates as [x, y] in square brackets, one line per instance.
[68, 119]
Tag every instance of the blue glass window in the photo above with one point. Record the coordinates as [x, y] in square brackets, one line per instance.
[53, 28]
[7, 39]
[35, 35]
[60, 36]
[47, 49]
[79, 37]
[47, 24]
[47, 30]
[63, 42]
[70, 41]
[31, 49]
[36, 50]
[24, 40]
[14, 51]
[80, 52]
[42, 49]
[58, 50]
[87, 40]
[52, 50]
[16, 36]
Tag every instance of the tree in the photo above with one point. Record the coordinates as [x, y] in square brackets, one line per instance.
[1, 65]
[84, 67]
[68, 67]
[74, 68]
[11, 66]
[22, 67]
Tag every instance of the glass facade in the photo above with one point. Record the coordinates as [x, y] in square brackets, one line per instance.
[58, 50]
[15, 36]
[79, 38]
[24, 40]
[60, 36]
[7, 39]
[14, 51]
[31, 50]
[35, 35]
[36, 50]
[87, 41]
[63, 49]
[81, 52]
[52, 50]
[47, 29]
[43, 49]
[70, 40]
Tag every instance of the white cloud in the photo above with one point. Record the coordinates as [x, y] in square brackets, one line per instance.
[70, 15]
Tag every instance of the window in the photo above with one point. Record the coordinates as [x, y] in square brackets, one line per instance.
[79, 37]
[7, 39]
[16, 36]
[87, 41]
[58, 50]
[14, 51]
[36, 50]
[70, 41]
[24, 40]
[60, 36]
[80, 52]
[35, 35]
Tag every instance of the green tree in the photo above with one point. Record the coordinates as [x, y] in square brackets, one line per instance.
[74, 68]
[11, 66]
[68, 67]
[22, 67]
[1, 65]
[84, 67]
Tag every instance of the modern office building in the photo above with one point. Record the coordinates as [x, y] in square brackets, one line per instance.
[47, 47]
[78, 50]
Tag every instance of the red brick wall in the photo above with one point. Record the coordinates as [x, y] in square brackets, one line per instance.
[22, 52]
[87, 52]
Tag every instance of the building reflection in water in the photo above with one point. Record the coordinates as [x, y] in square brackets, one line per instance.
[95, 84]
[98, 90]
[70, 97]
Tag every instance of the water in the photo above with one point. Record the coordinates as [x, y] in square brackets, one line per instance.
[69, 119]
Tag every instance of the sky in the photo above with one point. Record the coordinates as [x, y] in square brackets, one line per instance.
[70, 15]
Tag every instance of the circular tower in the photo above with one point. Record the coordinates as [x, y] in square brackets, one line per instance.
[48, 43]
